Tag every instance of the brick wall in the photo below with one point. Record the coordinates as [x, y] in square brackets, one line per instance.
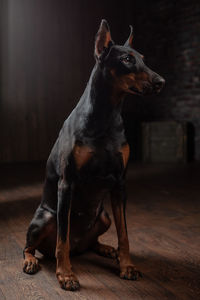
[168, 34]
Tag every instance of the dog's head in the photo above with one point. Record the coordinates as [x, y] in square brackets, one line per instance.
[124, 65]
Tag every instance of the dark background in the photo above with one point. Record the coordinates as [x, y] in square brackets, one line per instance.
[46, 56]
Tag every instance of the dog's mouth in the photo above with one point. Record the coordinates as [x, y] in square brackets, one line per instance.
[146, 91]
[135, 91]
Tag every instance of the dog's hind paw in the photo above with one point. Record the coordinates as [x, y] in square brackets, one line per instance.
[105, 250]
[31, 265]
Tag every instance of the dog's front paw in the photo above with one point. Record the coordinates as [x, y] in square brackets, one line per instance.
[68, 282]
[31, 265]
[130, 272]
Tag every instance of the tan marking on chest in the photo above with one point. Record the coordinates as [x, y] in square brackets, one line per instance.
[125, 151]
[82, 154]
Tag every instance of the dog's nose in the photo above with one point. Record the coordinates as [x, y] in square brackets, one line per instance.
[159, 82]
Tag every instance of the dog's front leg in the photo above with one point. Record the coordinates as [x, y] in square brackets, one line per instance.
[118, 201]
[66, 278]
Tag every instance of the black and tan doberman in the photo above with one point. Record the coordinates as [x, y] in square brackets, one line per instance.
[88, 162]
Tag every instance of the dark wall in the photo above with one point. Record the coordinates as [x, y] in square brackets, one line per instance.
[47, 54]
[168, 34]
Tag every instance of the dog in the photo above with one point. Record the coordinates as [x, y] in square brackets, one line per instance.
[89, 161]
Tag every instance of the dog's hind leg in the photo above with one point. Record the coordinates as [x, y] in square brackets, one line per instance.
[42, 225]
[41, 233]
[103, 224]
[90, 240]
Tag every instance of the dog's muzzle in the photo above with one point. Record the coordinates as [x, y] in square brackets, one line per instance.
[158, 84]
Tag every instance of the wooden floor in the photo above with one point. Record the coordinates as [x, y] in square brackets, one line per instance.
[163, 217]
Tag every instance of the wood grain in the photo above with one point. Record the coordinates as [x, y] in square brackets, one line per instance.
[163, 219]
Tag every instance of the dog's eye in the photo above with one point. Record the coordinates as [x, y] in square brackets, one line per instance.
[126, 59]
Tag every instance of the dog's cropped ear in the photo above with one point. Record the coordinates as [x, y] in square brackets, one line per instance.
[103, 39]
[129, 42]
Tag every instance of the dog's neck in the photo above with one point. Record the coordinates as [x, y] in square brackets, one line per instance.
[102, 112]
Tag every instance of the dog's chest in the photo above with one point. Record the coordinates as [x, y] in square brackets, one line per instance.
[101, 165]
[97, 171]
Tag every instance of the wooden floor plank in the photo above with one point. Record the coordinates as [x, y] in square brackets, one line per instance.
[163, 217]
[2, 297]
